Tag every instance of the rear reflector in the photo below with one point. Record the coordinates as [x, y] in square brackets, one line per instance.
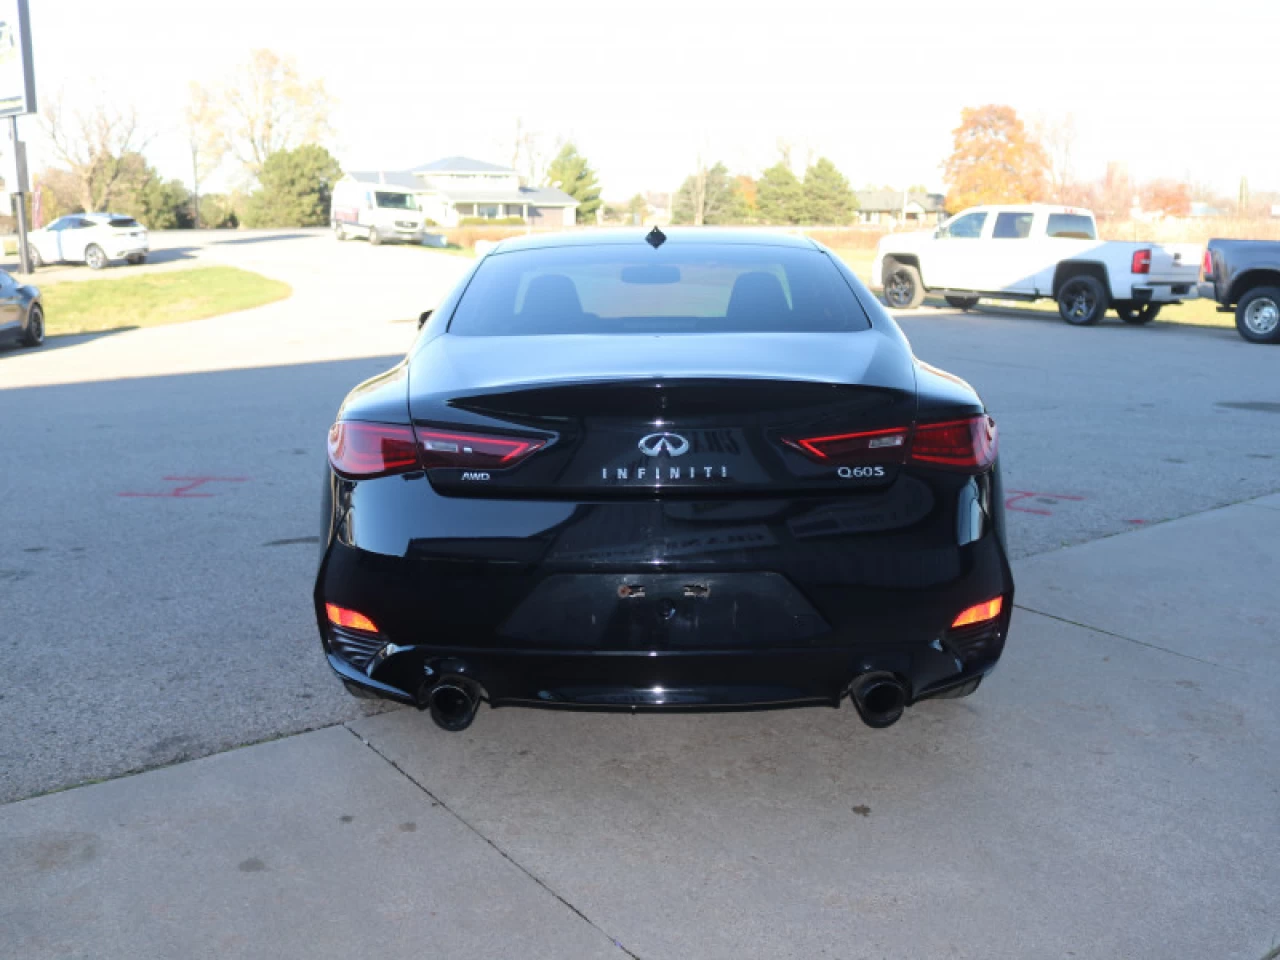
[968, 444]
[472, 451]
[1206, 266]
[1141, 261]
[881, 446]
[365, 450]
[342, 617]
[979, 613]
[362, 450]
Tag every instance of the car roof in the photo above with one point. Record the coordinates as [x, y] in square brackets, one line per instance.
[1046, 207]
[682, 236]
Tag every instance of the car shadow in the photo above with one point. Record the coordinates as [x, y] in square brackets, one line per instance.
[58, 341]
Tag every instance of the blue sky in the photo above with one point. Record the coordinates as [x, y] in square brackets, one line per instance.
[1173, 89]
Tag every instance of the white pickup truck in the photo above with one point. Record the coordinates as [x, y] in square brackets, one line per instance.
[1029, 251]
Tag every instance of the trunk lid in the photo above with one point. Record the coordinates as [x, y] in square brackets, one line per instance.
[653, 416]
[1176, 262]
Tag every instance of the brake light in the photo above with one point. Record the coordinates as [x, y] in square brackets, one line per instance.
[1141, 261]
[1206, 266]
[845, 448]
[979, 613]
[342, 617]
[472, 451]
[968, 444]
[363, 450]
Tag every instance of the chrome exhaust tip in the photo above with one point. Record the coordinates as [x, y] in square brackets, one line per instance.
[453, 703]
[879, 698]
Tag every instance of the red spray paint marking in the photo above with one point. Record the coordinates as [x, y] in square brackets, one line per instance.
[188, 484]
[1011, 502]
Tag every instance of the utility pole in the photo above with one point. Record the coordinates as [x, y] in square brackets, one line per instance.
[20, 195]
[195, 183]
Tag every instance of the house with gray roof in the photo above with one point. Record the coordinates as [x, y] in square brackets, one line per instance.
[455, 188]
[898, 206]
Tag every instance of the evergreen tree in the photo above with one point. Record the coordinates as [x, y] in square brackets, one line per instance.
[779, 195]
[570, 172]
[296, 188]
[721, 201]
[828, 198]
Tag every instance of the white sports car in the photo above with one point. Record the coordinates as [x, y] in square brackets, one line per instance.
[92, 238]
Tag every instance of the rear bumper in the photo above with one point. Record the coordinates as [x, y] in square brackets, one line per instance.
[1166, 292]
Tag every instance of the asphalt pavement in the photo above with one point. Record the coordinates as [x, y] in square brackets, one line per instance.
[1110, 792]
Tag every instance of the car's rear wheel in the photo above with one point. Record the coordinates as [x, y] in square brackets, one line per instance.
[1082, 300]
[37, 261]
[94, 257]
[1258, 315]
[35, 327]
[903, 289]
[963, 303]
[339, 231]
[1130, 311]
[375, 238]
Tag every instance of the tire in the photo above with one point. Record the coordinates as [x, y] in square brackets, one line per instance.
[339, 231]
[37, 261]
[1130, 311]
[903, 288]
[137, 258]
[963, 303]
[95, 258]
[1258, 315]
[1082, 300]
[375, 238]
[35, 327]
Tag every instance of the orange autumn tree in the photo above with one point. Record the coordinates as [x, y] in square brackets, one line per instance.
[995, 160]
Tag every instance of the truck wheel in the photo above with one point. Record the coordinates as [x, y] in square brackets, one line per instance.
[1082, 300]
[1130, 311]
[903, 289]
[375, 238]
[1258, 315]
[963, 303]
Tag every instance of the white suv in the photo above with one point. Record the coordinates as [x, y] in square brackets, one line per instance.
[92, 238]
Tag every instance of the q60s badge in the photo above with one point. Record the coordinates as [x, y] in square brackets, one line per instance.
[859, 473]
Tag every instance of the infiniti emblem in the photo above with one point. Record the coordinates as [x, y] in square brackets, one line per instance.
[672, 444]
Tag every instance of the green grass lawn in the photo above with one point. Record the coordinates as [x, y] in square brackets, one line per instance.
[152, 299]
[1200, 313]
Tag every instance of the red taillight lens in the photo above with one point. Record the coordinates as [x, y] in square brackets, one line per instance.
[880, 446]
[968, 444]
[1206, 266]
[342, 617]
[979, 613]
[473, 451]
[1141, 261]
[371, 449]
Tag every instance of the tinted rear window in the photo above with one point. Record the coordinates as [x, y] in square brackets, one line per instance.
[1072, 226]
[123, 222]
[694, 288]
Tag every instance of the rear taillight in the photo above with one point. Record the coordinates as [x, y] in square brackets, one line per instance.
[1206, 266]
[350, 619]
[979, 613]
[968, 444]
[363, 450]
[879, 446]
[1141, 262]
[473, 451]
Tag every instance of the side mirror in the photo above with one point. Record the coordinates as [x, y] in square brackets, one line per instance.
[423, 317]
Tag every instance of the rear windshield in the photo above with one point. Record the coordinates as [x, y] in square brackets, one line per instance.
[1072, 226]
[123, 222]
[694, 288]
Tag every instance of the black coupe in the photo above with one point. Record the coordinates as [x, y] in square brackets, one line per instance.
[690, 471]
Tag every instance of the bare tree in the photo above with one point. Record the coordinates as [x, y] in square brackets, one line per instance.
[206, 139]
[1059, 140]
[527, 157]
[95, 144]
[700, 193]
[271, 108]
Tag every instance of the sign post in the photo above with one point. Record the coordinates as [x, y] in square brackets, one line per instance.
[17, 97]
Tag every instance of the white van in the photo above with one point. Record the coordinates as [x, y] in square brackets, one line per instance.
[381, 212]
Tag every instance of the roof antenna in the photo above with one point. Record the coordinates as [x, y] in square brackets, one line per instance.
[655, 238]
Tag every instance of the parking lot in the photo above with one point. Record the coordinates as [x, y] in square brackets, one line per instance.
[1111, 791]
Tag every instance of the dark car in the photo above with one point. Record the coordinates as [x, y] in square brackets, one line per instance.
[1245, 274]
[695, 471]
[21, 313]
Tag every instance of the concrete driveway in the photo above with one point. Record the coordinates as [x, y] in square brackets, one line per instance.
[1110, 792]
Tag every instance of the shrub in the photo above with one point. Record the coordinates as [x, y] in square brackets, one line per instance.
[495, 222]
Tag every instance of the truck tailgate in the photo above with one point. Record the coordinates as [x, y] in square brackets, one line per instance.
[1176, 262]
